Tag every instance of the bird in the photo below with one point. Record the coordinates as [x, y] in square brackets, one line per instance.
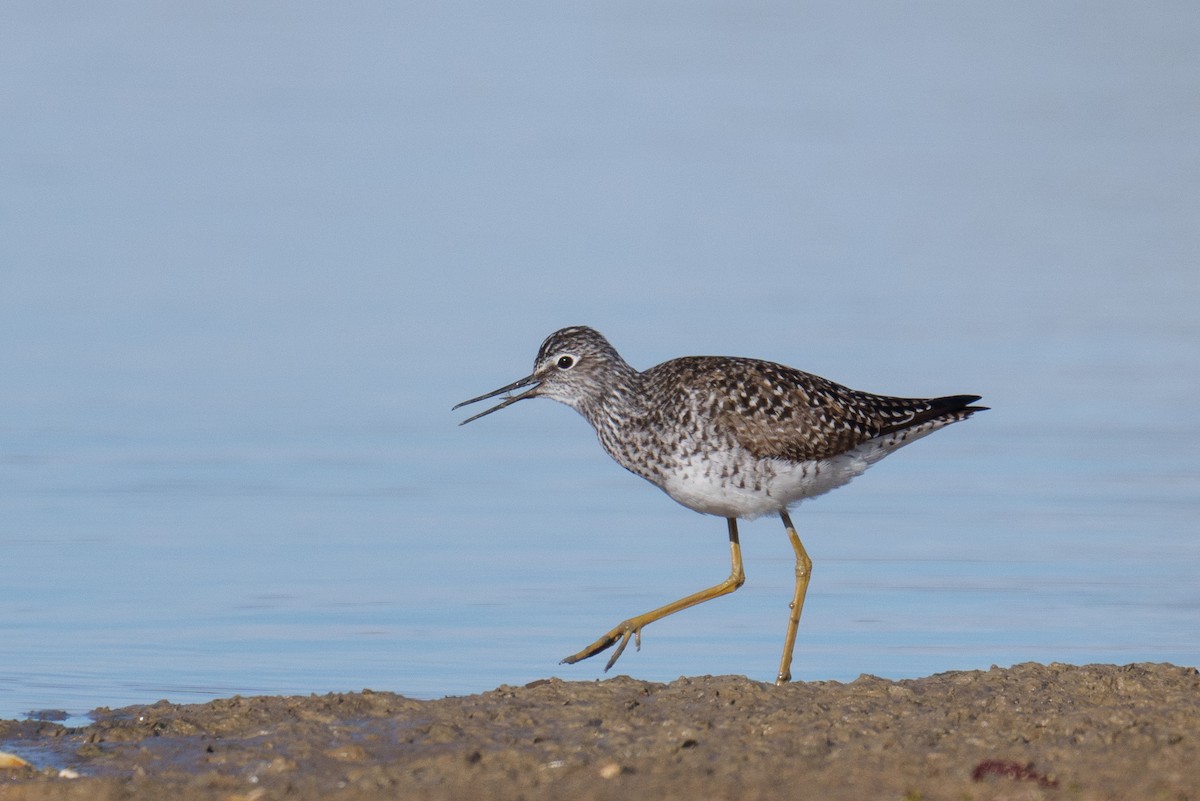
[725, 436]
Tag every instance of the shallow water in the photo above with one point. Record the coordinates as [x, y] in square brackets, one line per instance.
[248, 262]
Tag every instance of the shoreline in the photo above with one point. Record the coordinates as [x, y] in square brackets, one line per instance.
[1029, 731]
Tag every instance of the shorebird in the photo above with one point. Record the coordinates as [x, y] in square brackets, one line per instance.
[725, 436]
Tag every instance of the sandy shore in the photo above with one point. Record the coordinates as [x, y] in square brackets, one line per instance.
[1027, 732]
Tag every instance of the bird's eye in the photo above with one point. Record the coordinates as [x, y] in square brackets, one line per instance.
[566, 362]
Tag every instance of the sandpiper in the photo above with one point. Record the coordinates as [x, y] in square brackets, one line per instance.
[725, 436]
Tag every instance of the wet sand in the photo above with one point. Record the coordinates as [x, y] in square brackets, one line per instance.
[1027, 732]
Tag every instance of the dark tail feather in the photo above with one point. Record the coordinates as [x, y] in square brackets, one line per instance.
[951, 408]
[956, 403]
[958, 406]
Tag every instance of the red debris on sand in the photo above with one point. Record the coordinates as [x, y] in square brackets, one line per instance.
[1011, 770]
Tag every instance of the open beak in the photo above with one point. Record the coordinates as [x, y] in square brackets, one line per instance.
[524, 382]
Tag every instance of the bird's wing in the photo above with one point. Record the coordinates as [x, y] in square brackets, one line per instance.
[779, 412]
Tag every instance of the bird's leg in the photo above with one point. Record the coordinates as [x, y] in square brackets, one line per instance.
[803, 572]
[633, 626]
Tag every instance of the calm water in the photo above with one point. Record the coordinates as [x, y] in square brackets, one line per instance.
[250, 256]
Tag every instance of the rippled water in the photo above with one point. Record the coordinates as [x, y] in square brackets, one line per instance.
[248, 261]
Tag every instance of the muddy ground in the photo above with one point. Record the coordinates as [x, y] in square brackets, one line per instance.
[1027, 732]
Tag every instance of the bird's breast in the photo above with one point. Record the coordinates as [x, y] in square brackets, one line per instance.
[714, 475]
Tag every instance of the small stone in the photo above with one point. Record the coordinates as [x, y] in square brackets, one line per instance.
[348, 753]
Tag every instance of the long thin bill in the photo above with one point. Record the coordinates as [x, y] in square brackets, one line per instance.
[524, 382]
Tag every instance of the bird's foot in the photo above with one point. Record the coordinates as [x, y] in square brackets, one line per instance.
[624, 632]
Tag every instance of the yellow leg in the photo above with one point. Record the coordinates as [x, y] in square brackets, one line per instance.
[633, 626]
[803, 572]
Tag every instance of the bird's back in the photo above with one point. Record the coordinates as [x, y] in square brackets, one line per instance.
[743, 437]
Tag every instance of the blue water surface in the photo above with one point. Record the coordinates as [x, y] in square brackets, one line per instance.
[250, 255]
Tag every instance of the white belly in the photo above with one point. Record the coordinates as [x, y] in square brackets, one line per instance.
[733, 485]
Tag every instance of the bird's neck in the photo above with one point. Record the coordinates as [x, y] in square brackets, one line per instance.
[617, 402]
[616, 411]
